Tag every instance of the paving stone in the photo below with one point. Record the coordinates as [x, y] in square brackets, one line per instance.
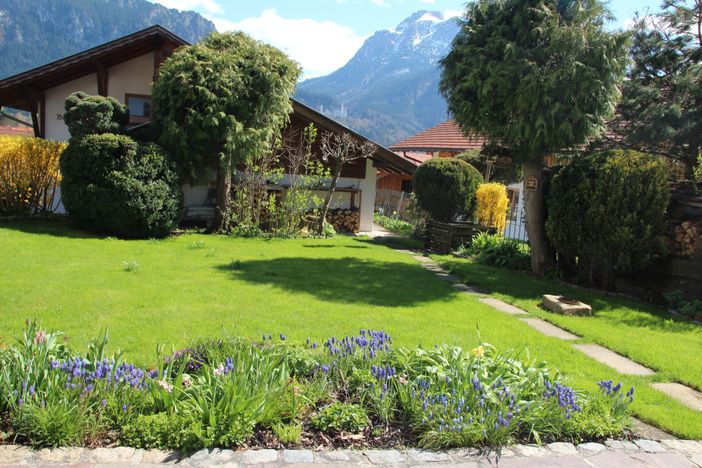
[384, 457]
[119, 455]
[137, 457]
[697, 459]
[663, 460]
[563, 448]
[160, 457]
[591, 448]
[464, 288]
[612, 459]
[570, 461]
[427, 456]
[622, 445]
[688, 447]
[650, 446]
[336, 455]
[298, 456]
[58, 455]
[463, 453]
[613, 360]
[14, 453]
[684, 394]
[531, 450]
[549, 329]
[257, 457]
[644, 430]
[553, 303]
[422, 258]
[502, 306]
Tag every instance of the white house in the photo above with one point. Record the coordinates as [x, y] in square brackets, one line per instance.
[126, 69]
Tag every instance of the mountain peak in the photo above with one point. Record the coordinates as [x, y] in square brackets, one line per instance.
[419, 17]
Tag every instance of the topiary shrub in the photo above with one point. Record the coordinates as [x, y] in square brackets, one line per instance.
[446, 188]
[85, 114]
[113, 185]
[607, 210]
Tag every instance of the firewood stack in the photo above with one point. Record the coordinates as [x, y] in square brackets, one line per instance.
[684, 238]
[343, 220]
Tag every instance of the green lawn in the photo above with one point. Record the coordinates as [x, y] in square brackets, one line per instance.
[197, 285]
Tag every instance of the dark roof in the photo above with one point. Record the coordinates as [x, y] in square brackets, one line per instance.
[446, 136]
[15, 91]
[383, 157]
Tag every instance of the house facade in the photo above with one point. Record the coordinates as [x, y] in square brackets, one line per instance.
[126, 68]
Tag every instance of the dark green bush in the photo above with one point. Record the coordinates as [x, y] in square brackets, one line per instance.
[607, 210]
[497, 250]
[446, 188]
[116, 186]
[86, 114]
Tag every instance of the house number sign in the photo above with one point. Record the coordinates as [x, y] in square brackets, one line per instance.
[531, 184]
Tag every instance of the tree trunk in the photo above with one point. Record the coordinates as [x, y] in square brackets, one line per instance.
[542, 255]
[327, 199]
[224, 184]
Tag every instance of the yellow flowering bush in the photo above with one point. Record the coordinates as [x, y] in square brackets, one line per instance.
[29, 174]
[492, 206]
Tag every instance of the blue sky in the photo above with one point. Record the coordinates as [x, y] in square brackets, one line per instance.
[324, 34]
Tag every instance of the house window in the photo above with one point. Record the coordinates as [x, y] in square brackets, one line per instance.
[406, 186]
[513, 196]
[139, 107]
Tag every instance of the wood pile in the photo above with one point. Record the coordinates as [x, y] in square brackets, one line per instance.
[344, 220]
[684, 238]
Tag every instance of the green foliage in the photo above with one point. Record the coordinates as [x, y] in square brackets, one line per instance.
[113, 185]
[287, 433]
[480, 159]
[85, 115]
[607, 210]
[534, 76]
[446, 188]
[497, 250]
[162, 430]
[395, 225]
[340, 417]
[62, 423]
[677, 301]
[660, 106]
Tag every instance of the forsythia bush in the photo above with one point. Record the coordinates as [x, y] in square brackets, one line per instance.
[29, 174]
[492, 205]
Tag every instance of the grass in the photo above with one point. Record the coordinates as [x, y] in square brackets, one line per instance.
[246, 287]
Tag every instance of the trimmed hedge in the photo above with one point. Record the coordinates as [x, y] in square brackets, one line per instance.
[607, 210]
[114, 185]
[446, 188]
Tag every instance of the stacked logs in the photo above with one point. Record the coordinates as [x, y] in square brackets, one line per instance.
[684, 238]
[344, 220]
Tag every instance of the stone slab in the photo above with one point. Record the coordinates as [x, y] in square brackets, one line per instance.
[553, 303]
[422, 258]
[464, 288]
[613, 360]
[549, 329]
[612, 459]
[650, 446]
[663, 460]
[384, 457]
[591, 448]
[531, 450]
[258, 457]
[688, 447]
[570, 461]
[563, 448]
[644, 430]
[502, 306]
[298, 456]
[684, 394]
[427, 456]
[621, 445]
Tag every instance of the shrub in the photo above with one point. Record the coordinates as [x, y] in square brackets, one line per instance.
[607, 210]
[446, 188]
[113, 185]
[492, 205]
[29, 174]
[340, 417]
[395, 225]
[496, 250]
[86, 115]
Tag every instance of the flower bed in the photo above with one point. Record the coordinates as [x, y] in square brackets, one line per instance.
[353, 391]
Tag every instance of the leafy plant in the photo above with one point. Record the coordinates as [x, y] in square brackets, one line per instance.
[340, 417]
[497, 250]
[395, 225]
[445, 187]
[287, 433]
[132, 265]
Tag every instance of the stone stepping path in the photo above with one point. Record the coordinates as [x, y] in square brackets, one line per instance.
[548, 329]
[685, 395]
[613, 360]
[502, 306]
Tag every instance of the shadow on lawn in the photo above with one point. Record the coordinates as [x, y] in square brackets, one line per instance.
[55, 226]
[345, 280]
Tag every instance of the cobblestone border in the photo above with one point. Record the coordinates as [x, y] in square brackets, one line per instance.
[641, 452]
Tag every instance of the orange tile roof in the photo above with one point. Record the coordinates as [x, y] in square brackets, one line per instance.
[444, 136]
[16, 131]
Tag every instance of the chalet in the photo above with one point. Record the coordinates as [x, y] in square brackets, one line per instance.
[125, 69]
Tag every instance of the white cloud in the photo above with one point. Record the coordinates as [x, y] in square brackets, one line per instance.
[381, 3]
[319, 46]
[448, 13]
[209, 6]
[429, 2]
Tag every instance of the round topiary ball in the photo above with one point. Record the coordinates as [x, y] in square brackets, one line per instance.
[116, 186]
[446, 187]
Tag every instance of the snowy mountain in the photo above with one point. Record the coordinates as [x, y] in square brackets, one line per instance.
[389, 89]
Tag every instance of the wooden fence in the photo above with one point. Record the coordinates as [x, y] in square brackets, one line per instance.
[444, 237]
